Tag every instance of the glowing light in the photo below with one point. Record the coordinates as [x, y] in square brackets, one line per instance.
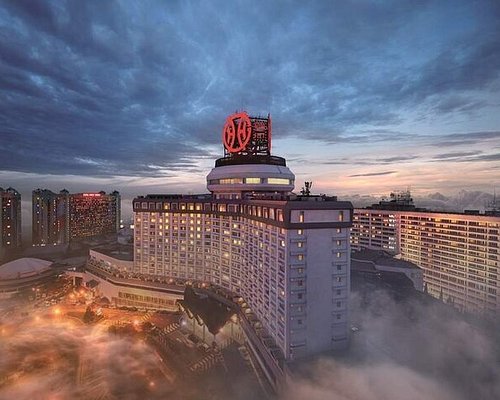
[236, 139]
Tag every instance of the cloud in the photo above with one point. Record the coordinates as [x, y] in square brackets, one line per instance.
[413, 349]
[373, 174]
[456, 154]
[128, 87]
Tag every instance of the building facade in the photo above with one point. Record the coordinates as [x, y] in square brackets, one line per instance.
[286, 256]
[458, 253]
[50, 217]
[93, 214]
[10, 220]
[375, 229]
[58, 218]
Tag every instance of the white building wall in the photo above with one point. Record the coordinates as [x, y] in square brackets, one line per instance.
[263, 263]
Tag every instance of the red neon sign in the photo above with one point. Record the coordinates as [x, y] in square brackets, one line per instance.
[91, 194]
[237, 132]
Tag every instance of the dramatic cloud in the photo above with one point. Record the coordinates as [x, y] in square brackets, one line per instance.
[121, 90]
[374, 174]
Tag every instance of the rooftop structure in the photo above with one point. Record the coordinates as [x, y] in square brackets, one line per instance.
[23, 274]
[379, 260]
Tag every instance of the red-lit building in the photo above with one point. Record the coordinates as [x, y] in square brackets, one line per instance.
[61, 217]
[93, 214]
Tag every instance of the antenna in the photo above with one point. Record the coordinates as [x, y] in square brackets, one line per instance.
[306, 189]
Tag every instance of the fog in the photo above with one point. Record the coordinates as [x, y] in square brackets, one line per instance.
[412, 349]
[55, 360]
[406, 350]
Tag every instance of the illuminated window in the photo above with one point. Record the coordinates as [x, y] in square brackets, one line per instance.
[278, 181]
[252, 180]
[341, 215]
[301, 216]
[230, 181]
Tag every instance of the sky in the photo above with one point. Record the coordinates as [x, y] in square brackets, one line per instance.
[366, 96]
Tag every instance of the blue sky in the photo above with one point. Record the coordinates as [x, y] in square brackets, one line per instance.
[366, 96]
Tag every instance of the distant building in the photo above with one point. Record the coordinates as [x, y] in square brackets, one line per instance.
[10, 220]
[93, 214]
[375, 229]
[287, 256]
[24, 275]
[458, 252]
[50, 217]
[61, 217]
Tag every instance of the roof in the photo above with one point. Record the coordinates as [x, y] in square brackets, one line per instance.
[123, 252]
[379, 257]
[24, 268]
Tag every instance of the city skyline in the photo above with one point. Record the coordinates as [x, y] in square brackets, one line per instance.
[131, 98]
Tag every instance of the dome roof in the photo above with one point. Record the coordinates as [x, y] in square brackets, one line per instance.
[23, 268]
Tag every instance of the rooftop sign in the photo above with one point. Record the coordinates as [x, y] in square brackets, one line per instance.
[247, 135]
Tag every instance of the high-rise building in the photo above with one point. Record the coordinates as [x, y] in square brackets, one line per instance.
[93, 214]
[50, 217]
[10, 220]
[61, 217]
[458, 252]
[287, 256]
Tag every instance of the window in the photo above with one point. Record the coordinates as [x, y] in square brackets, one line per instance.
[300, 244]
[339, 230]
[278, 181]
[339, 267]
[300, 231]
[301, 216]
[300, 257]
[339, 254]
[341, 216]
[339, 303]
[299, 296]
[299, 321]
[230, 181]
[339, 316]
[252, 180]
[338, 279]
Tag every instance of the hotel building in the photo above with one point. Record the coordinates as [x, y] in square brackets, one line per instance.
[287, 256]
[458, 252]
[61, 217]
[10, 220]
[93, 214]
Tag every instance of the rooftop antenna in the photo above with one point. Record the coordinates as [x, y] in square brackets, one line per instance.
[306, 189]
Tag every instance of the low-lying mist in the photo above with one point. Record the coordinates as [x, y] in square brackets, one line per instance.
[406, 350]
